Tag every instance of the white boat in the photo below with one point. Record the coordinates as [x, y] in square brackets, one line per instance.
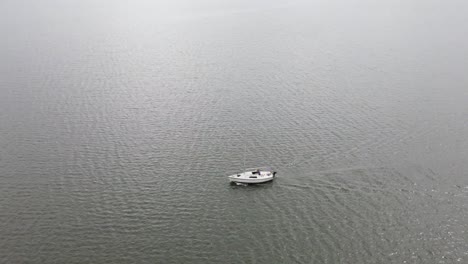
[253, 175]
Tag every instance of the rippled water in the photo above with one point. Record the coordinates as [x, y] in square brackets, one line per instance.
[119, 121]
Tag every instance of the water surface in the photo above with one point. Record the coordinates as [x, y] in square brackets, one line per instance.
[119, 121]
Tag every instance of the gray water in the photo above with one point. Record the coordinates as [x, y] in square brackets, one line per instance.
[119, 121]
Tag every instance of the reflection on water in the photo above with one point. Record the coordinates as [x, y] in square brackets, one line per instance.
[119, 120]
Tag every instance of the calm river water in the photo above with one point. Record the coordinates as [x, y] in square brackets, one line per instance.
[119, 121]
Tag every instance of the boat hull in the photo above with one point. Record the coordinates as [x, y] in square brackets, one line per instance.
[250, 180]
[253, 175]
